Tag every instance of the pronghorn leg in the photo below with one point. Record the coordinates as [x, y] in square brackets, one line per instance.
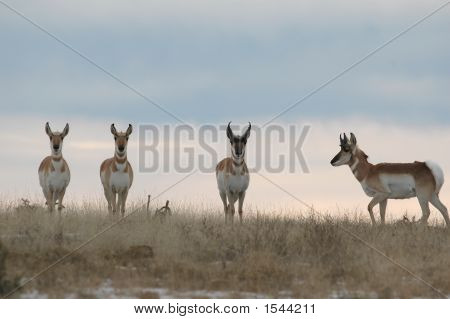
[55, 198]
[223, 196]
[424, 204]
[375, 201]
[108, 196]
[383, 206]
[441, 207]
[122, 201]
[232, 198]
[47, 197]
[45, 192]
[60, 199]
[51, 200]
[120, 205]
[241, 204]
[114, 201]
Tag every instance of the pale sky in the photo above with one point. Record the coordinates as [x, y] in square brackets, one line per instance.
[216, 61]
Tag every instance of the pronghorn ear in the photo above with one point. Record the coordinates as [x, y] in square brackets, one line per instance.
[353, 139]
[48, 130]
[66, 130]
[129, 129]
[113, 130]
[229, 132]
[247, 132]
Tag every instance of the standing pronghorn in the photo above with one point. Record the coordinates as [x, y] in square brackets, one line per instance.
[116, 173]
[232, 174]
[54, 173]
[386, 181]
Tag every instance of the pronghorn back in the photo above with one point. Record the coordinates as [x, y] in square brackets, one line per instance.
[401, 181]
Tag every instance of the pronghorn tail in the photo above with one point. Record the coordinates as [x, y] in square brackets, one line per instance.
[438, 174]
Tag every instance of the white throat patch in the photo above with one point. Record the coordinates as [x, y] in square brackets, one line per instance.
[355, 165]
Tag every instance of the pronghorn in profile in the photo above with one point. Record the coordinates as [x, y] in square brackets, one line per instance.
[54, 173]
[116, 173]
[232, 174]
[386, 181]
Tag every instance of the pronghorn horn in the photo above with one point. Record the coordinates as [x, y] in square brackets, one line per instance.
[345, 138]
[229, 131]
[247, 132]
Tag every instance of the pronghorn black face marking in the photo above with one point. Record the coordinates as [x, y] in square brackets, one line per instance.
[238, 143]
[121, 139]
[348, 148]
[56, 138]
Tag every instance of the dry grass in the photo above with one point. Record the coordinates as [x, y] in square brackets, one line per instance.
[197, 255]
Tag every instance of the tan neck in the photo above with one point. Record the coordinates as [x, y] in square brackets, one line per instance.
[57, 158]
[359, 165]
[238, 166]
[237, 163]
[120, 159]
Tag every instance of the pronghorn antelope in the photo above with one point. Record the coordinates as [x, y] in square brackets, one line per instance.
[116, 173]
[232, 174]
[54, 173]
[385, 181]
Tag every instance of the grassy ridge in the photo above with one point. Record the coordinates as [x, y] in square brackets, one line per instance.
[303, 257]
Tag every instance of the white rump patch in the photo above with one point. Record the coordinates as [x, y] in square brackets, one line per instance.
[438, 174]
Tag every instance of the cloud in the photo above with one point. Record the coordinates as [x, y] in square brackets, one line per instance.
[223, 13]
[209, 59]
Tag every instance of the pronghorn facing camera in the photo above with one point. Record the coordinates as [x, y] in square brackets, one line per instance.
[385, 181]
[116, 173]
[54, 173]
[232, 174]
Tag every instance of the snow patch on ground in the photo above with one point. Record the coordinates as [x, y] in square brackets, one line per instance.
[33, 294]
[107, 291]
